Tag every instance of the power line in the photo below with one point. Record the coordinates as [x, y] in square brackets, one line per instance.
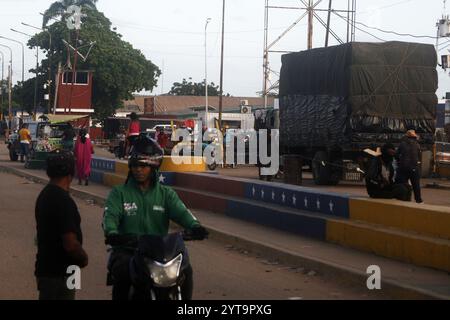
[396, 33]
[345, 19]
[163, 30]
[387, 6]
[387, 31]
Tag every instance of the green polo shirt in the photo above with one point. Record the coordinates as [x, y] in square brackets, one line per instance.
[129, 210]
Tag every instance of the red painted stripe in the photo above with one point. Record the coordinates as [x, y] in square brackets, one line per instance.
[195, 200]
[216, 184]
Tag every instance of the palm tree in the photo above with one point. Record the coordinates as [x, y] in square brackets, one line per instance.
[59, 8]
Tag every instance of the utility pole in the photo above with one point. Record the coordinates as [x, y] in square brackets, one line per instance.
[55, 100]
[328, 23]
[266, 53]
[37, 73]
[49, 63]
[206, 74]
[1, 85]
[221, 68]
[36, 84]
[10, 96]
[23, 64]
[9, 87]
[74, 69]
[310, 24]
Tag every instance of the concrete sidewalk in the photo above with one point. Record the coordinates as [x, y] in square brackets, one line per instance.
[336, 263]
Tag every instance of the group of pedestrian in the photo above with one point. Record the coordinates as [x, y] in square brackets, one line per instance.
[142, 206]
[395, 173]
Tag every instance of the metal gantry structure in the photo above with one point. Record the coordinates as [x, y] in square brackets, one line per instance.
[310, 10]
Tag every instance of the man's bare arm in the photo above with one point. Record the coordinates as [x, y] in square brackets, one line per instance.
[75, 250]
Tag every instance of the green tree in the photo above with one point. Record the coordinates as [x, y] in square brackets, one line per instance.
[189, 88]
[59, 8]
[25, 91]
[119, 69]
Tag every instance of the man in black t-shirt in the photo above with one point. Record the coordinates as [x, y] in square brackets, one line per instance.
[59, 236]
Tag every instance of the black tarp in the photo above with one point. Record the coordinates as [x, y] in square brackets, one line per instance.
[352, 92]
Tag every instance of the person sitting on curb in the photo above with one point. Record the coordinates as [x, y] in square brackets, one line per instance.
[379, 176]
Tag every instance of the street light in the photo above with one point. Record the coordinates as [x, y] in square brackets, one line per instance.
[23, 62]
[9, 86]
[37, 66]
[206, 74]
[1, 85]
[49, 61]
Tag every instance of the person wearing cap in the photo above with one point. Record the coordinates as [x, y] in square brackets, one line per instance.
[409, 158]
[142, 206]
[379, 178]
[59, 236]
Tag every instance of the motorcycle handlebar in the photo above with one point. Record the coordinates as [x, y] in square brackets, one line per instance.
[122, 240]
[128, 240]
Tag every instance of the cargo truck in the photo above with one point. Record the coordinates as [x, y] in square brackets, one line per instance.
[337, 101]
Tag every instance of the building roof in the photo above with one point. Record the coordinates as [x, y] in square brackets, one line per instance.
[186, 104]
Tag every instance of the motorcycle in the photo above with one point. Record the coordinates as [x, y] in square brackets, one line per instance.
[159, 268]
[13, 145]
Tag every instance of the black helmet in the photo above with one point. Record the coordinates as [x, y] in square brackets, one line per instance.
[146, 151]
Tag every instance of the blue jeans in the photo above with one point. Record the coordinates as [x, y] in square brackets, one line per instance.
[25, 148]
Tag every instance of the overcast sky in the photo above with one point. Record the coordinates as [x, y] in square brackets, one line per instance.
[171, 33]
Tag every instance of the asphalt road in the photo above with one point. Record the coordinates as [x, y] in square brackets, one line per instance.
[220, 271]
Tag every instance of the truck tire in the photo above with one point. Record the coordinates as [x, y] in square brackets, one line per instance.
[336, 172]
[321, 169]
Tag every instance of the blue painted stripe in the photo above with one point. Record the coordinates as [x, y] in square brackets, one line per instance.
[97, 176]
[167, 178]
[103, 164]
[300, 198]
[297, 223]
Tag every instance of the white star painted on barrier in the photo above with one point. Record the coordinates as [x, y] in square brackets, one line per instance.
[273, 195]
[162, 179]
[262, 194]
[253, 191]
[331, 206]
[294, 200]
[318, 204]
[283, 198]
[306, 202]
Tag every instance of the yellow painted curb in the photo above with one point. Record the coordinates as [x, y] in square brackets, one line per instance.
[187, 164]
[112, 179]
[421, 251]
[407, 216]
[170, 164]
[122, 167]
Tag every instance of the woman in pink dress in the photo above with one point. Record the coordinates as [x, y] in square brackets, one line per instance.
[83, 152]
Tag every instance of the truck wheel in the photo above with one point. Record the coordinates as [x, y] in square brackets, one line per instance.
[336, 172]
[212, 166]
[321, 169]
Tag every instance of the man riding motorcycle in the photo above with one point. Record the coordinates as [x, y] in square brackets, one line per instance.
[142, 206]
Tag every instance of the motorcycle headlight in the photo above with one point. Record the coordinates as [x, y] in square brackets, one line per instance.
[165, 275]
